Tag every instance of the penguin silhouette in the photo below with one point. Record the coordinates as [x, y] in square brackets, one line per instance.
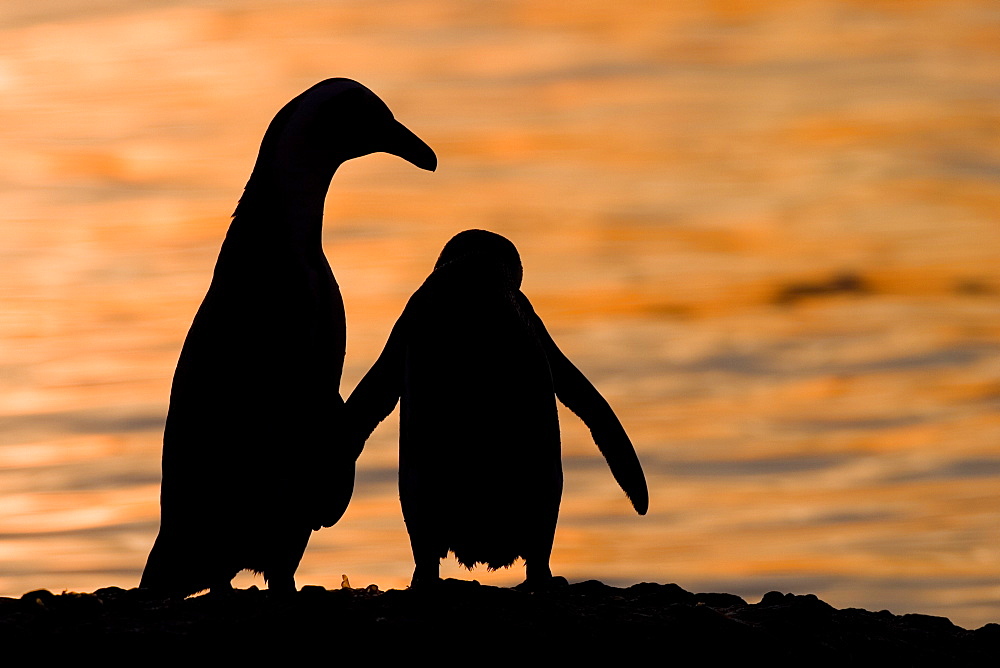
[477, 375]
[253, 453]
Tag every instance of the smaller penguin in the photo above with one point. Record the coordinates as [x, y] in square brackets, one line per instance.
[477, 375]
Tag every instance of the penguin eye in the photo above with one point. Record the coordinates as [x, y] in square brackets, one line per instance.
[349, 123]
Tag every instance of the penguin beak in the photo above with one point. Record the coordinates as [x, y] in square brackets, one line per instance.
[408, 146]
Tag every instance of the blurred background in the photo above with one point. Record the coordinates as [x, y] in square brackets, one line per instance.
[766, 230]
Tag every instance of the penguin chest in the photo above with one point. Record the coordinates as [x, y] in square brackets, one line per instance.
[258, 377]
[479, 432]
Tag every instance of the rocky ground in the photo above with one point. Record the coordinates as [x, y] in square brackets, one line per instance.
[466, 622]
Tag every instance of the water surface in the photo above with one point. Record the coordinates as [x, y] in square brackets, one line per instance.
[766, 231]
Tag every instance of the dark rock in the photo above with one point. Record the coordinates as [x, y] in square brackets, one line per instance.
[594, 588]
[40, 597]
[656, 594]
[464, 620]
[929, 622]
[990, 630]
[720, 601]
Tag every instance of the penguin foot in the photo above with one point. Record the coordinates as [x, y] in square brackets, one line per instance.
[424, 582]
[281, 585]
[426, 574]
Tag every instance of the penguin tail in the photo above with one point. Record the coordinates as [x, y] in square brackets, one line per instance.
[493, 560]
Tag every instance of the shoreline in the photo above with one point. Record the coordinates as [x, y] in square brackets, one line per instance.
[463, 616]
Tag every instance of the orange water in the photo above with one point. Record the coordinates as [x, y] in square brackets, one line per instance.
[683, 181]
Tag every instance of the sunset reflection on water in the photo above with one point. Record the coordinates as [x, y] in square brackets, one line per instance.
[765, 230]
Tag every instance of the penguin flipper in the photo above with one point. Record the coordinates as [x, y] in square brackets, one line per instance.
[330, 492]
[580, 396]
[378, 392]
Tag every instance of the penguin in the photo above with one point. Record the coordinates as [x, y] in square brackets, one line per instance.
[254, 457]
[477, 376]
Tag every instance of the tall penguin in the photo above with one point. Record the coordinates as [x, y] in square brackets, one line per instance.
[253, 455]
[477, 374]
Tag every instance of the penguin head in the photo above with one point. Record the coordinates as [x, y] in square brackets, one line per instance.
[482, 253]
[333, 122]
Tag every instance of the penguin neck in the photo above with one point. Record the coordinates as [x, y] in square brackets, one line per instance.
[283, 205]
